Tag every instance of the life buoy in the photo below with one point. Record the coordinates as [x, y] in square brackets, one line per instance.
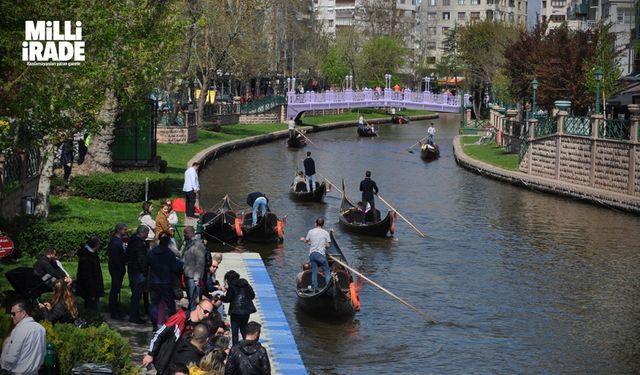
[355, 299]
[280, 229]
[238, 227]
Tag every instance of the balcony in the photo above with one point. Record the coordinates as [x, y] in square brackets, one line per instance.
[578, 10]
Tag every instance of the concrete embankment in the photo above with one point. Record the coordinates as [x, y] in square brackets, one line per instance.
[596, 196]
[214, 151]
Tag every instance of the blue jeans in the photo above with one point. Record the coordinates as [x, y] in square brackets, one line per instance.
[316, 259]
[136, 282]
[430, 139]
[259, 204]
[165, 293]
[311, 179]
[193, 292]
[238, 322]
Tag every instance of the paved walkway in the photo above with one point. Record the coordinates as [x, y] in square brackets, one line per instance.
[598, 196]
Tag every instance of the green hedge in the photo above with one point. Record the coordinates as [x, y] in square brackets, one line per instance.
[90, 345]
[67, 237]
[122, 187]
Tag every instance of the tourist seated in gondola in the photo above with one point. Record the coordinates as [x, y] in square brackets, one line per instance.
[305, 268]
[300, 183]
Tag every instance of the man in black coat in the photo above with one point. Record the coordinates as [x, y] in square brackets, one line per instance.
[248, 357]
[47, 269]
[192, 351]
[116, 251]
[310, 172]
[136, 265]
[66, 159]
[369, 188]
[89, 283]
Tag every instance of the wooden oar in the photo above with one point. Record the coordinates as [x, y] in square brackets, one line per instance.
[415, 144]
[424, 314]
[305, 137]
[331, 183]
[402, 216]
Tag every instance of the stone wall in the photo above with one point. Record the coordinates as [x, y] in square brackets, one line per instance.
[543, 157]
[637, 179]
[575, 164]
[262, 118]
[177, 134]
[611, 168]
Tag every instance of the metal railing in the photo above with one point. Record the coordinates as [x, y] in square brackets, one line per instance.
[546, 126]
[614, 129]
[577, 125]
[261, 105]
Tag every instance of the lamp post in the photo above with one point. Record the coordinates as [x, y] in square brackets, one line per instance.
[387, 79]
[426, 84]
[534, 87]
[598, 74]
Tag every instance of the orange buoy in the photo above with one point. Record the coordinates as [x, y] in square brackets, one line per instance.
[238, 227]
[355, 299]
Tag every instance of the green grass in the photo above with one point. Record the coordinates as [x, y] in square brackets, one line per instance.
[72, 268]
[468, 139]
[178, 155]
[492, 154]
[78, 208]
[353, 116]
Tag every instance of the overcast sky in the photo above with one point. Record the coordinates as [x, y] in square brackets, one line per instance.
[534, 7]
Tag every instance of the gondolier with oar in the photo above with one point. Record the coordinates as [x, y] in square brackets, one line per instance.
[369, 188]
[319, 241]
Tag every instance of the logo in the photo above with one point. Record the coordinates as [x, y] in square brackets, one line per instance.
[52, 43]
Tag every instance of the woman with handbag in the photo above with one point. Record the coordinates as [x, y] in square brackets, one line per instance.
[240, 296]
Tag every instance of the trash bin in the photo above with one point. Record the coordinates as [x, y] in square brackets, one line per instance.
[92, 368]
[28, 205]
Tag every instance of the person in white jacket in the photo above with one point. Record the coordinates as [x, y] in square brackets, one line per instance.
[23, 351]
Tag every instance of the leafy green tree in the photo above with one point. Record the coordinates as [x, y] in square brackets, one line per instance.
[380, 55]
[606, 57]
[334, 66]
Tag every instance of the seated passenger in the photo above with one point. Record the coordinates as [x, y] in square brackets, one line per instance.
[62, 308]
[305, 267]
[300, 183]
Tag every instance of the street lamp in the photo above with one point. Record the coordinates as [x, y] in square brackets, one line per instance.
[598, 74]
[534, 86]
[387, 78]
[426, 84]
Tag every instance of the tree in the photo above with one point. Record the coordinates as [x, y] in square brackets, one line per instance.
[380, 55]
[606, 58]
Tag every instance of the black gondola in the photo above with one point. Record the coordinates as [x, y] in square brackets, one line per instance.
[356, 221]
[268, 229]
[428, 152]
[222, 225]
[399, 119]
[298, 141]
[367, 132]
[301, 194]
[334, 298]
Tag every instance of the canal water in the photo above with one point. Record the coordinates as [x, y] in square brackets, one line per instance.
[522, 282]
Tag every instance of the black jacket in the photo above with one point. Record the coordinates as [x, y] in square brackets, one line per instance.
[59, 313]
[240, 296]
[309, 166]
[166, 339]
[89, 282]
[117, 255]
[46, 266]
[186, 353]
[368, 188]
[163, 265]
[248, 357]
[66, 156]
[136, 255]
[251, 198]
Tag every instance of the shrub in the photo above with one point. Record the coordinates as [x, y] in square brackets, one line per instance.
[67, 237]
[5, 324]
[121, 187]
[99, 344]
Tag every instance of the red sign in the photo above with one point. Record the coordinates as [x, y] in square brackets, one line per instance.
[6, 246]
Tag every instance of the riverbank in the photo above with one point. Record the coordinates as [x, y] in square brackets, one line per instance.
[595, 196]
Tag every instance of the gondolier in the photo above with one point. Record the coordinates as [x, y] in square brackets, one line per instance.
[258, 201]
[319, 241]
[431, 131]
[191, 187]
[369, 188]
[310, 172]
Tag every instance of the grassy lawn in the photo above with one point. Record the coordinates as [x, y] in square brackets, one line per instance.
[72, 268]
[468, 139]
[77, 209]
[353, 116]
[492, 154]
[177, 155]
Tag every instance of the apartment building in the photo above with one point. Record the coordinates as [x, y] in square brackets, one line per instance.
[336, 14]
[437, 17]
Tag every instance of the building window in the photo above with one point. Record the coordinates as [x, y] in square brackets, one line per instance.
[431, 16]
[445, 30]
[558, 3]
[557, 18]
[625, 15]
[511, 17]
[490, 15]
[431, 45]
[431, 31]
[475, 2]
[431, 59]
[433, 3]
[460, 2]
[330, 23]
[446, 16]
[512, 3]
[475, 16]
[402, 1]
[446, 2]
[544, 5]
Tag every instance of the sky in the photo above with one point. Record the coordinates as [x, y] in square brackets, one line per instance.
[534, 7]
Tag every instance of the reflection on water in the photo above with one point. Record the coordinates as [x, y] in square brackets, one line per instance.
[527, 282]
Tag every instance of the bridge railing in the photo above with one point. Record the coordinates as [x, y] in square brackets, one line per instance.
[370, 95]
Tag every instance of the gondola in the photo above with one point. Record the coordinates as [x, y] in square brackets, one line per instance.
[338, 297]
[268, 229]
[367, 132]
[222, 225]
[356, 221]
[296, 142]
[300, 193]
[428, 152]
[399, 119]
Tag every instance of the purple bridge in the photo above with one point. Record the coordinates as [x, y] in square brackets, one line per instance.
[299, 103]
